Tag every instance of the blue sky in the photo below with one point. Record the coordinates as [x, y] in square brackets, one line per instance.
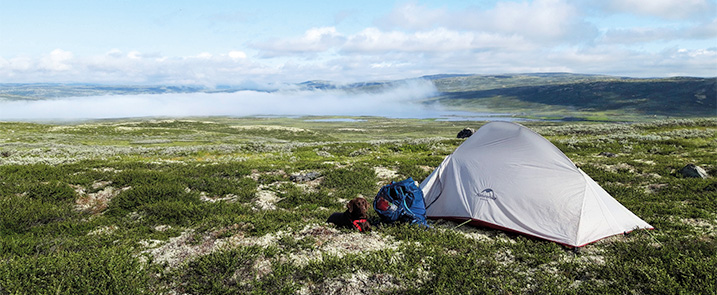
[265, 42]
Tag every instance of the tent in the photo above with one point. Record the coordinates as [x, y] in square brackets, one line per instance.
[508, 177]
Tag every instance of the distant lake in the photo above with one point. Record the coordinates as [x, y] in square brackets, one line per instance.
[470, 116]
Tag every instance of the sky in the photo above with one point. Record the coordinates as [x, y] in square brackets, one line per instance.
[270, 42]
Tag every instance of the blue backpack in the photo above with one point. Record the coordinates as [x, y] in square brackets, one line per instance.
[401, 201]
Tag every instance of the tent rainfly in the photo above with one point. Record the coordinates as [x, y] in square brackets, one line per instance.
[506, 176]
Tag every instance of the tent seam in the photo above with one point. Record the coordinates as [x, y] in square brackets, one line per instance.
[582, 210]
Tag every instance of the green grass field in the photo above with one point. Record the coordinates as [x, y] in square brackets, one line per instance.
[206, 206]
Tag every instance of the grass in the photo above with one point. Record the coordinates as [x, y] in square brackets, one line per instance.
[206, 206]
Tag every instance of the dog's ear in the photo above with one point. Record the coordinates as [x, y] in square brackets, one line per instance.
[350, 205]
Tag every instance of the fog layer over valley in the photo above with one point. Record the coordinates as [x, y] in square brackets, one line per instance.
[401, 100]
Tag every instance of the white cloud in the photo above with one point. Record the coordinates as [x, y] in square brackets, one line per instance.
[413, 16]
[115, 53]
[115, 66]
[20, 64]
[543, 21]
[413, 28]
[372, 40]
[706, 30]
[204, 55]
[58, 60]
[666, 9]
[637, 35]
[313, 41]
[235, 54]
[134, 54]
[669, 62]
[683, 62]
[375, 41]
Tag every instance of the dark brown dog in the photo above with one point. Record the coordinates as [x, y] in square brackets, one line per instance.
[356, 215]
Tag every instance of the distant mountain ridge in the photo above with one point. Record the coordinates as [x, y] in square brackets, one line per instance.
[34, 91]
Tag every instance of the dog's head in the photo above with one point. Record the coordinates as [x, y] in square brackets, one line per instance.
[358, 208]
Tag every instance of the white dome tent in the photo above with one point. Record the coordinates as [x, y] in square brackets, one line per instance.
[507, 176]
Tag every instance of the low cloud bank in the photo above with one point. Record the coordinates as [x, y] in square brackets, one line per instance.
[400, 101]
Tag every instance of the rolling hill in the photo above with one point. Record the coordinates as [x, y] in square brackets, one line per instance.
[678, 96]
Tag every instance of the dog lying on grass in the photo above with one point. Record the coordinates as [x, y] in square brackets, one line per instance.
[355, 216]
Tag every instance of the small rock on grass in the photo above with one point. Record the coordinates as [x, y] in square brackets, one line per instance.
[693, 171]
[304, 177]
[465, 133]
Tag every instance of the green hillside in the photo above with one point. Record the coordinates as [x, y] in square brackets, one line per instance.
[555, 94]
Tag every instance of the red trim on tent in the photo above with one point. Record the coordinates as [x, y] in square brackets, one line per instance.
[624, 233]
[481, 223]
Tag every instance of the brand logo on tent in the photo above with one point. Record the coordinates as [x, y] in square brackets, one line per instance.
[487, 194]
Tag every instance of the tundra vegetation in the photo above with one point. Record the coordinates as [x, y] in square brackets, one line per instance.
[207, 206]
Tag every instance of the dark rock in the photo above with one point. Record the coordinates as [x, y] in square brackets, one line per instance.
[466, 132]
[608, 154]
[304, 177]
[693, 171]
